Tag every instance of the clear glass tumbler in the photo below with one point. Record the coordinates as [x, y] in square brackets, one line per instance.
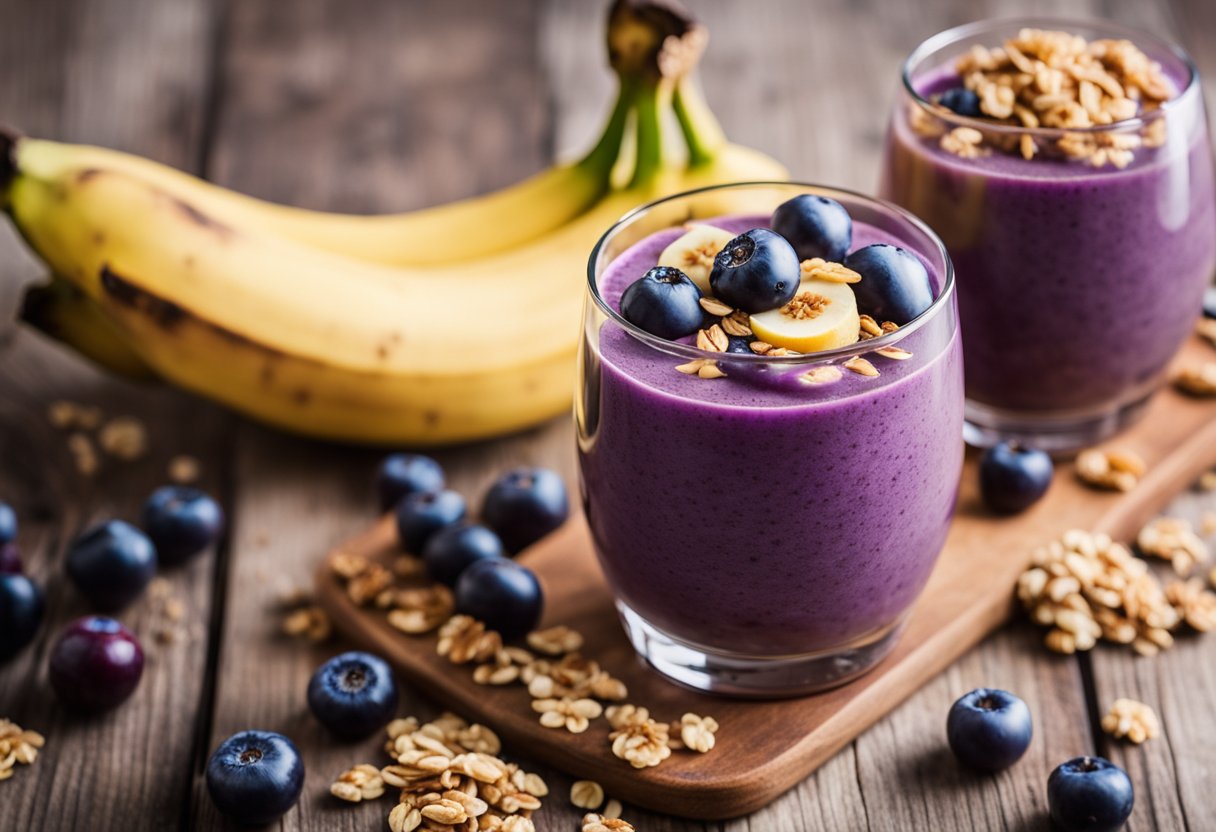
[1082, 268]
[766, 530]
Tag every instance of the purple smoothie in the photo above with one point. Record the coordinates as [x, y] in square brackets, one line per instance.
[758, 515]
[1076, 284]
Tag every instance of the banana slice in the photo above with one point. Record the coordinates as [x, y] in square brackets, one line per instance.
[823, 315]
[693, 253]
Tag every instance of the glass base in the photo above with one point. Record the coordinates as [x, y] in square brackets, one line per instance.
[755, 677]
[1056, 433]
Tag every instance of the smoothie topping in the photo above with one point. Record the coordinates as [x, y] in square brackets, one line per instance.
[1058, 80]
[861, 366]
[805, 305]
[819, 269]
[822, 375]
[1198, 380]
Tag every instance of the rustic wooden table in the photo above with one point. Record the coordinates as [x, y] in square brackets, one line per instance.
[383, 105]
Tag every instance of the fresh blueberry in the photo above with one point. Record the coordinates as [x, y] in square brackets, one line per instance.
[894, 284]
[815, 226]
[111, 564]
[452, 550]
[421, 515]
[354, 695]
[402, 474]
[503, 594]
[989, 729]
[962, 101]
[10, 559]
[524, 505]
[20, 613]
[1209, 302]
[254, 777]
[757, 271]
[1013, 477]
[96, 664]
[8, 523]
[664, 302]
[739, 344]
[1089, 794]
[181, 522]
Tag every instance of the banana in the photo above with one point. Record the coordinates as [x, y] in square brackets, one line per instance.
[822, 316]
[62, 312]
[462, 230]
[322, 344]
[693, 253]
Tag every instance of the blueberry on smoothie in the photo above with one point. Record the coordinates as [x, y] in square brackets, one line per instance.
[254, 777]
[111, 563]
[402, 474]
[1014, 477]
[354, 695]
[989, 729]
[503, 594]
[452, 550]
[664, 302]
[8, 523]
[894, 284]
[757, 271]
[962, 101]
[1089, 794]
[419, 516]
[815, 226]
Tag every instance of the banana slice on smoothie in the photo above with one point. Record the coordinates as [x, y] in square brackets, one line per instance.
[694, 251]
[822, 316]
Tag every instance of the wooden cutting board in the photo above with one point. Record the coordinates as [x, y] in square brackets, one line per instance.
[764, 748]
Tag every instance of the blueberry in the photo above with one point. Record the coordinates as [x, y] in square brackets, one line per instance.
[757, 271]
[1014, 477]
[21, 610]
[815, 226]
[962, 101]
[254, 777]
[739, 344]
[8, 523]
[402, 474]
[354, 695]
[894, 284]
[10, 559]
[452, 550]
[1209, 302]
[111, 564]
[503, 594]
[421, 515]
[989, 729]
[524, 505]
[181, 522]
[1089, 794]
[664, 302]
[96, 664]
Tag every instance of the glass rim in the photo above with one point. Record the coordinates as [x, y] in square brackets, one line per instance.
[956, 33]
[859, 348]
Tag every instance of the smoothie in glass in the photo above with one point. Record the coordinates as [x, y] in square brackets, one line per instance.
[766, 534]
[1082, 250]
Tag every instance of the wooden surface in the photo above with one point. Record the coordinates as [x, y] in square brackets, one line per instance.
[384, 104]
[968, 596]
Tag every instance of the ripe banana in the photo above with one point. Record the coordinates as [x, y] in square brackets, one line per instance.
[322, 344]
[462, 230]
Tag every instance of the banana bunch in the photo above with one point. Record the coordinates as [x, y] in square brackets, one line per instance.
[444, 325]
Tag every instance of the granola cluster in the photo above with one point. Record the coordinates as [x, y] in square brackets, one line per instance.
[1131, 720]
[17, 747]
[1054, 79]
[1112, 470]
[1173, 539]
[90, 434]
[1197, 379]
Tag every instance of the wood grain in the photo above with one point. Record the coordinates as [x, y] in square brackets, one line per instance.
[967, 597]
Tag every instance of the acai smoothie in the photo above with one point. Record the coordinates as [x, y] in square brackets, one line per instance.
[785, 504]
[1070, 177]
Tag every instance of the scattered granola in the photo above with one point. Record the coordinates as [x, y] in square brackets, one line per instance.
[84, 454]
[464, 639]
[965, 142]
[716, 307]
[713, 339]
[1086, 586]
[1117, 470]
[822, 375]
[417, 610]
[702, 368]
[602, 823]
[17, 747]
[861, 367]
[637, 738]
[612, 809]
[184, 469]
[587, 794]
[363, 782]
[1131, 720]
[555, 641]
[66, 415]
[697, 732]
[1194, 603]
[574, 715]
[805, 306]
[819, 269]
[894, 353]
[1197, 380]
[124, 437]
[1173, 539]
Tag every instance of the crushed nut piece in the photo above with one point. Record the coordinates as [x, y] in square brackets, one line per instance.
[363, 782]
[1172, 539]
[805, 306]
[1197, 380]
[697, 732]
[710, 370]
[124, 437]
[1111, 470]
[574, 715]
[861, 367]
[894, 353]
[555, 641]
[822, 375]
[587, 794]
[464, 639]
[1195, 604]
[712, 339]
[612, 809]
[1132, 720]
[640, 742]
[716, 307]
[17, 747]
[602, 823]
[1206, 329]
[819, 269]
[965, 142]
[869, 328]
[84, 455]
[737, 324]
[184, 469]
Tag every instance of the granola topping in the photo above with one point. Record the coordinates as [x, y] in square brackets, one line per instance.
[805, 306]
[1197, 380]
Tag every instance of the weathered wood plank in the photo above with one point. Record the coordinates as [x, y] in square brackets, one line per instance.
[131, 74]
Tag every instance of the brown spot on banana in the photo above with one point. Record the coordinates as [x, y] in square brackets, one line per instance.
[164, 313]
[87, 175]
[198, 217]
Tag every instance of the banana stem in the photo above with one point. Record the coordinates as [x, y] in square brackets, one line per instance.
[653, 101]
[702, 132]
[601, 158]
[8, 161]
